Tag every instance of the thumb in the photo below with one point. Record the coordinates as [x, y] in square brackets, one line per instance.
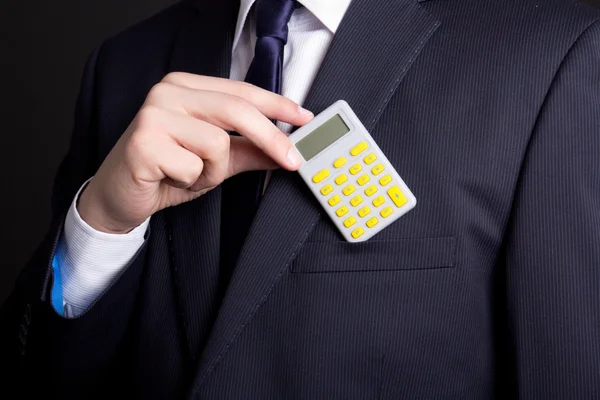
[245, 156]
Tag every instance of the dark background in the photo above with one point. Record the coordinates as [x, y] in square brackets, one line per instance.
[43, 47]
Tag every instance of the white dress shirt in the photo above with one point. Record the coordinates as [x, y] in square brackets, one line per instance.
[90, 260]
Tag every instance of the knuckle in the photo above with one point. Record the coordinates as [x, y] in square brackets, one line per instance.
[256, 96]
[245, 84]
[221, 142]
[159, 91]
[290, 106]
[193, 171]
[175, 77]
[236, 106]
[147, 116]
[197, 167]
[137, 144]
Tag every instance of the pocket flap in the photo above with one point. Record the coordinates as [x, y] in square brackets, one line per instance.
[374, 255]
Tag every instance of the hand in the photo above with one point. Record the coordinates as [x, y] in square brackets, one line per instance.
[177, 148]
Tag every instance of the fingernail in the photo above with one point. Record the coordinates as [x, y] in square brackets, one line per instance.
[303, 111]
[294, 157]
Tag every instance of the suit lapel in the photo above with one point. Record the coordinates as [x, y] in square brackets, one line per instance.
[203, 46]
[374, 46]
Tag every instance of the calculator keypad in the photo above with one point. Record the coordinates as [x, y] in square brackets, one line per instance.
[358, 232]
[355, 169]
[363, 180]
[363, 212]
[372, 222]
[371, 190]
[385, 180]
[383, 203]
[370, 159]
[348, 190]
[341, 179]
[379, 200]
[359, 148]
[376, 170]
[334, 200]
[343, 210]
[386, 212]
[397, 196]
[340, 162]
[356, 201]
[349, 222]
[320, 176]
[325, 190]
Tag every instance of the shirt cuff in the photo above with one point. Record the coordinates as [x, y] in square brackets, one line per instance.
[89, 260]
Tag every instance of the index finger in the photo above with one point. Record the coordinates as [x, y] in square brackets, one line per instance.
[270, 104]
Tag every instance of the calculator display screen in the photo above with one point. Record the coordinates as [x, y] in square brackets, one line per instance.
[316, 141]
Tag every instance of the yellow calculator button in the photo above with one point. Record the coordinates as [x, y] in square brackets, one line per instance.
[379, 200]
[343, 210]
[385, 180]
[377, 169]
[359, 148]
[348, 190]
[363, 179]
[349, 222]
[371, 190]
[325, 190]
[397, 196]
[340, 162]
[341, 179]
[334, 200]
[320, 176]
[355, 169]
[363, 212]
[370, 158]
[372, 222]
[386, 212]
[357, 232]
[356, 201]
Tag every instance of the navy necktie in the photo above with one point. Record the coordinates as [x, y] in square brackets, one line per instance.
[241, 193]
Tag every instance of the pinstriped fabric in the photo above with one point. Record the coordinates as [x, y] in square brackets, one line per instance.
[376, 255]
[488, 289]
[557, 213]
[156, 323]
[275, 237]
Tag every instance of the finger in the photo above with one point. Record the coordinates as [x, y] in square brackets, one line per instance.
[180, 167]
[209, 142]
[272, 105]
[234, 113]
[206, 140]
[245, 156]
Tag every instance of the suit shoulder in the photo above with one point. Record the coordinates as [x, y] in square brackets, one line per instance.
[567, 17]
[557, 24]
[550, 27]
[568, 13]
[145, 43]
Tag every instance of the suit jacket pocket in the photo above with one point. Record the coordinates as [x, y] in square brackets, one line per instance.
[374, 255]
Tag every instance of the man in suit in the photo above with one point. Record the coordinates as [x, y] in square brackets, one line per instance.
[174, 273]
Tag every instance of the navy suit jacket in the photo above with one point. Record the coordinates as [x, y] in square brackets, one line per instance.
[489, 288]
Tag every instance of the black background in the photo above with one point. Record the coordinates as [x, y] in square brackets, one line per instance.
[43, 47]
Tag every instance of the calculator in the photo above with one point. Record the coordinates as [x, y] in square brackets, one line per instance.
[349, 175]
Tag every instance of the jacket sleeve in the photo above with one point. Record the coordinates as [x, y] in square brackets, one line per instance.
[552, 247]
[44, 352]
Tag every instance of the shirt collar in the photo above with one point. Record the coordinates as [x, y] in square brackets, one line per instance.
[329, 12]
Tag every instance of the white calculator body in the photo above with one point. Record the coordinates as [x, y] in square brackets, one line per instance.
[348, 173]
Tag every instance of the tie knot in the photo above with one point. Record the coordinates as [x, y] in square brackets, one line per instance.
[272, 17]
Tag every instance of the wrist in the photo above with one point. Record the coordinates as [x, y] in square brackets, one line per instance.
[92, 212]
